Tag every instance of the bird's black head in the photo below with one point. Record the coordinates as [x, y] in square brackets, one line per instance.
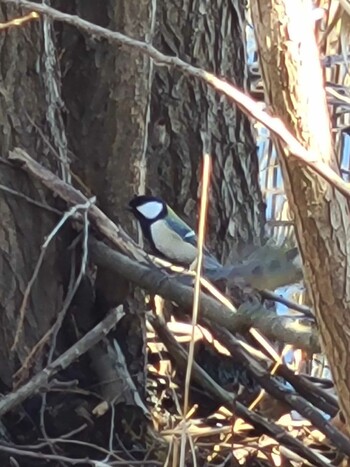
[148, 208]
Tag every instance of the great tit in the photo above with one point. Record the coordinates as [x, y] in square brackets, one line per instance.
[169, 236]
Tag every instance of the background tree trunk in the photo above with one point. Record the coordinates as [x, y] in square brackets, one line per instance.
[23, 112]
[188, 110]
[24, 226]
[113, 100]
[107, 91]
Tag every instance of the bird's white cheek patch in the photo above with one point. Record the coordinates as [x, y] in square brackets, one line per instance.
[151, 209]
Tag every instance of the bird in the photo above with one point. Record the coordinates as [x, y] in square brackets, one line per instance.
[269, 267]
[168, 235]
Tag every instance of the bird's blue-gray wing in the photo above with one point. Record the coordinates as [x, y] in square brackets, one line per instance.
[180, 227]
[189, 236]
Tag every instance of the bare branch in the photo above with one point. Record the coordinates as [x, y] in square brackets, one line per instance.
[18, 451]
[19, 21]
[41, 379]
[248, 105]
[156, 281]
[111, 231]
[227, 398]
[280, 391]
[30, 284]
[30, 200]
[289, 303]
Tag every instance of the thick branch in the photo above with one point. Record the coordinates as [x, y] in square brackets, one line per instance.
[158, 282]
[248, 105]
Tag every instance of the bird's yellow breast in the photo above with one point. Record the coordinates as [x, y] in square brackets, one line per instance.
[171, 245]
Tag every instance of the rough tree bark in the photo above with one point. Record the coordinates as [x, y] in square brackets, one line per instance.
[211, 38]
[109, 148]
[24, 101]
[107, 91]
[31, 118]
[107, 94]
[293, 81]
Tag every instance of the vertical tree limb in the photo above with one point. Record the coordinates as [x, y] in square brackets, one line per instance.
[293, 81]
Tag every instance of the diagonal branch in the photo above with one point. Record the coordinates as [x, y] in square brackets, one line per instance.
[248, 105]
[114, 233]
[41, 379]
[227, 398]
[281, 392]
[156, 281]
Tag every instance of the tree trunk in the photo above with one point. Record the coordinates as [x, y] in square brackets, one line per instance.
[24, 117]
[294, 88]
[112, 99]
[24, 226]
[106, 90]
[189, 111]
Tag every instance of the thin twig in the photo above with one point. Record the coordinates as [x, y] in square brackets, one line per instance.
[197, 288]
[39, 455]
[30, 200]
[43, 429]
[114, 233]
[86, 444]
[248, 105]
[30, 284]
[289, 303]
[57, 156]
[62, 314]
[19, 21]
[111, 435]
[73, 290]
[63, 437]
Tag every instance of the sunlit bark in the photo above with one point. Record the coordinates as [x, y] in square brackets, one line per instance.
[294, 89]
